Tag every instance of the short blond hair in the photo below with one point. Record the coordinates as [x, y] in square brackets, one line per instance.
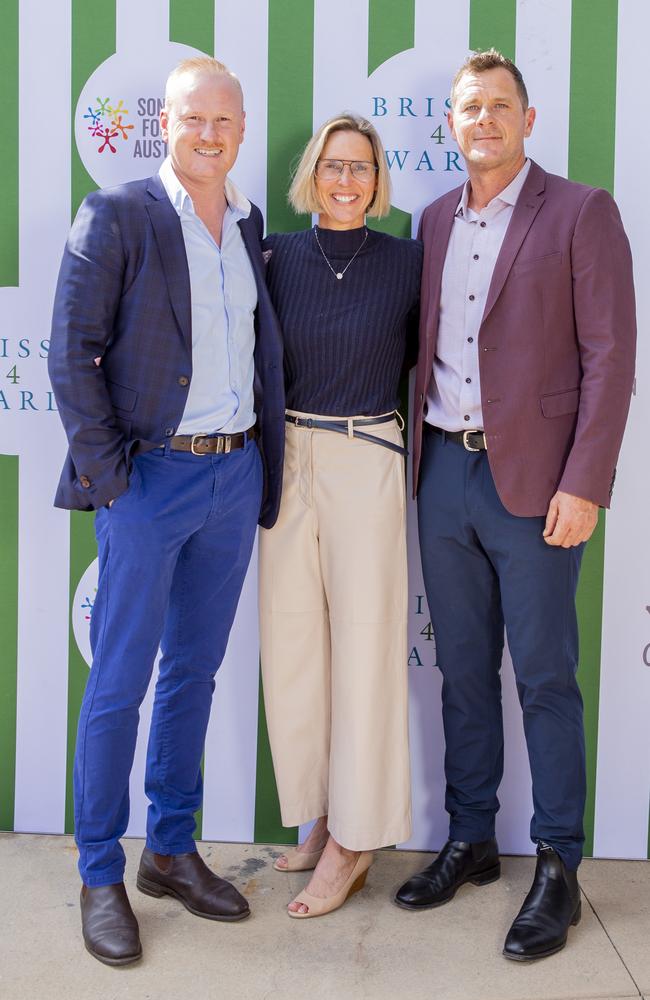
[199, 66]
[303, 195]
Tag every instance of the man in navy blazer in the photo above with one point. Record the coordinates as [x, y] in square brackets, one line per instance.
[167, 370]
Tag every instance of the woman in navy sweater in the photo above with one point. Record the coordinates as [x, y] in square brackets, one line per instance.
[333, 584]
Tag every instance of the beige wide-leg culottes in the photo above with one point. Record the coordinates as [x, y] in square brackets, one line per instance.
[333, 604]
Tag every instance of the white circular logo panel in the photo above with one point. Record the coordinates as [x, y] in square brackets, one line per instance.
[406, 100]
[82, 609]
[117, 129]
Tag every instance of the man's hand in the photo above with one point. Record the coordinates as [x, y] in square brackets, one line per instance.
[570, 520]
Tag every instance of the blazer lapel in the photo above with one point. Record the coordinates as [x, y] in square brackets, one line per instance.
[434, 263]
[171, 247]
[252, 244]
[528, 205]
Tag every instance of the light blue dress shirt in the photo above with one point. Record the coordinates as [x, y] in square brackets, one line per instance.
[224, 298]
[454, 395]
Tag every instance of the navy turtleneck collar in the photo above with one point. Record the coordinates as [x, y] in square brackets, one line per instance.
[341, 242]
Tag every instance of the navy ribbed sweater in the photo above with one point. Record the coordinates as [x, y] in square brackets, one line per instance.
[344, 341]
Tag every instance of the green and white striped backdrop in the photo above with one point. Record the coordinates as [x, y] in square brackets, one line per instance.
[82, 85]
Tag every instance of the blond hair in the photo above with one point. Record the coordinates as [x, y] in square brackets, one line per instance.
[198, 66]
[480, 62]
[303, 194]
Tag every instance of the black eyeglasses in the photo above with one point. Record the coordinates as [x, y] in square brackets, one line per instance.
[329, 170]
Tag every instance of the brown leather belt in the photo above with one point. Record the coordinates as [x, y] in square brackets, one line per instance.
[211, 444]
[470, 440]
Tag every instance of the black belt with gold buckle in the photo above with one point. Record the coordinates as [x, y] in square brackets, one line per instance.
[470, 440]
[211, 444]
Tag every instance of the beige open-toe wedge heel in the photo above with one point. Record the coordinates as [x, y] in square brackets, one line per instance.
[319, 906]
[298, 861]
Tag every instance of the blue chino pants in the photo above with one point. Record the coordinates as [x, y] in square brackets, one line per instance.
[173, 554]
[484, 567]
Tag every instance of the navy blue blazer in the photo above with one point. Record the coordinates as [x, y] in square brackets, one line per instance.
[123, 295]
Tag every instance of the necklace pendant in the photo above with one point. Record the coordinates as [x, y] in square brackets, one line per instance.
[339, 274]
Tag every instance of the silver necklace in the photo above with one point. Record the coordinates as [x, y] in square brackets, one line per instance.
[339, 274]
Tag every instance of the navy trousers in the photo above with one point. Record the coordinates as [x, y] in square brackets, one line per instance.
[173, 554]
[483, 568]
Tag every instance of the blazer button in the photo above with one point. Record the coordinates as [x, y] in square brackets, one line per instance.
[85, 481]
[183, 380]
[169, 432]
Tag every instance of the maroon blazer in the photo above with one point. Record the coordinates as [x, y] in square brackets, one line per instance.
[556, 342]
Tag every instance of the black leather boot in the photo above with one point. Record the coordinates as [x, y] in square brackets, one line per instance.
[550, 908]
[457, 863]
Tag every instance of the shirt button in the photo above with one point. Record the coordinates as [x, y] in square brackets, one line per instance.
[466, 417]
[470, 340]
[471, 298]
[169, 432]
[183, 380]
[468, 380]
[85, 481]
[475, 256]
[483, 225]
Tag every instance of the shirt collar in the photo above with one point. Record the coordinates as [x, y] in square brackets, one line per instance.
[238, 203]
[508, 196]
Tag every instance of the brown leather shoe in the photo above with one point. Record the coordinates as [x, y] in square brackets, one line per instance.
[108, 924]
[188, 879]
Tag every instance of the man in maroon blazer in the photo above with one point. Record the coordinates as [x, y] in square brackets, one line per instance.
[523, 385]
